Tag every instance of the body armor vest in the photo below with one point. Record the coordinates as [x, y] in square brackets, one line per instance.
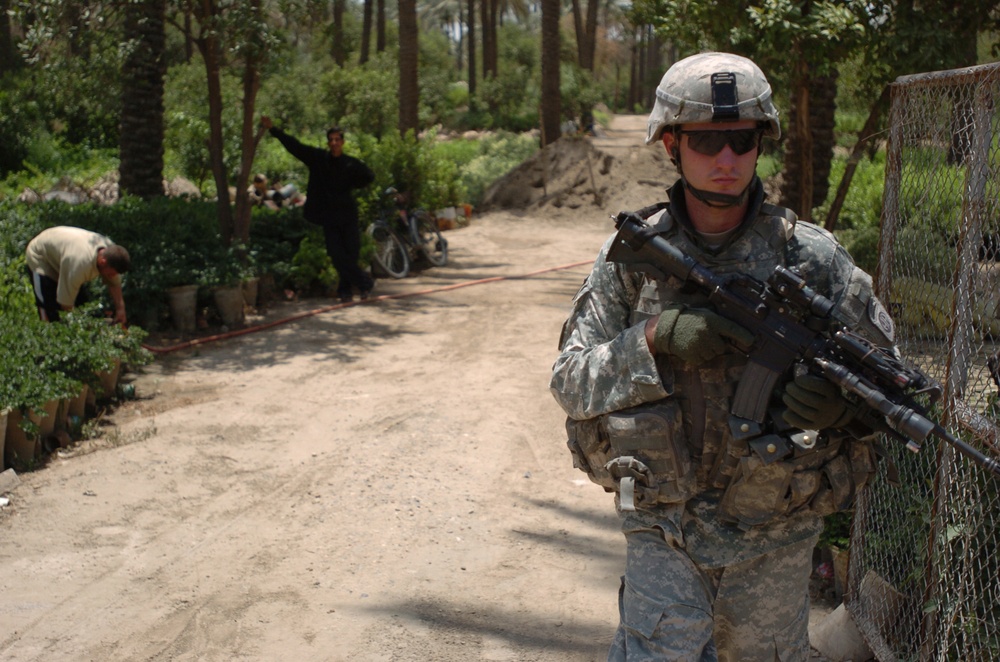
[666, 452]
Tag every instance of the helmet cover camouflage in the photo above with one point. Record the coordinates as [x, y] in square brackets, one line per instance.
[712, 87]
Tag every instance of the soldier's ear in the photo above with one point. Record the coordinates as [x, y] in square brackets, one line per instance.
[670, 144]
[668, 140]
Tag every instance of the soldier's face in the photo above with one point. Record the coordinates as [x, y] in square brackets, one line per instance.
[725, 171]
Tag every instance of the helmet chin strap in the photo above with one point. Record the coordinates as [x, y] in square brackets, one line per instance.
[719, 200]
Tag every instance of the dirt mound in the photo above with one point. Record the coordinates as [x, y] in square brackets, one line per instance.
[572, 173]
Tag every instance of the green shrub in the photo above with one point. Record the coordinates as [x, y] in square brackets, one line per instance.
[863, 205]
[498, 155]
[41, 361]
[311, 265]
[415, 167]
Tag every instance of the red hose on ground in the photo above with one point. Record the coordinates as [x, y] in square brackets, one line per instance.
[385, 297]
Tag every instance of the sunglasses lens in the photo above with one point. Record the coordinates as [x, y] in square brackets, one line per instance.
[743, 141]
[711, 143]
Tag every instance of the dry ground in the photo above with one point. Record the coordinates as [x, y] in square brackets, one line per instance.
[385, 481]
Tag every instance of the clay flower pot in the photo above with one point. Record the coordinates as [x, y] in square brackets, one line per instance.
[183, 305]
[229, 302]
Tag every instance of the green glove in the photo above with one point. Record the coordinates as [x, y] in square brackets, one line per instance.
[815, 404]
[696, 335]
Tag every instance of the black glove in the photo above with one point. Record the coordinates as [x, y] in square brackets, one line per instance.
[815, 403]
[696, 335]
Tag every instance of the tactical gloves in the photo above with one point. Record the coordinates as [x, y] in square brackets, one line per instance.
[815, 404]
[696, 335]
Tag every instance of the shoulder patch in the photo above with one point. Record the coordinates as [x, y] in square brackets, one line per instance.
[879, 316]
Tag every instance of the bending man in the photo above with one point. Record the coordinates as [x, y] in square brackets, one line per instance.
[62, 258]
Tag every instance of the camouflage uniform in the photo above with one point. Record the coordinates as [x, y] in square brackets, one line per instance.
[700, 585]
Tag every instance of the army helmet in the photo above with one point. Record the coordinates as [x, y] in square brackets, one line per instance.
[712, 87]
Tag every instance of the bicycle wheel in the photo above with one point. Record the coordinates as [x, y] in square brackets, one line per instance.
[390, 258]
[433, 247]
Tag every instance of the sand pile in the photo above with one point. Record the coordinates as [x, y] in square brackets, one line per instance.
[573, 174]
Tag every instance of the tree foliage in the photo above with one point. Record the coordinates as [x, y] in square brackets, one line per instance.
[301, 62]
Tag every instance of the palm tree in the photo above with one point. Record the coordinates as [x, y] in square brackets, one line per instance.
[488, 21]
[809, 144]
[471, 14]
[338, 32]
[366, 32]
[379, 26]
[586, 33]
[141, 136]
[409, 92]
[551, 100]
[9, 61]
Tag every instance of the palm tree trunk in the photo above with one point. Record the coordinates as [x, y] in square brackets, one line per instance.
[488, 34]
[141, 137]
[809, 147]
[380, 26]
[472, 48]
[494, 47]
[338, 33]
[409, 93]
[9, 61]
[578, 30]
[366, 32]
[551, 101]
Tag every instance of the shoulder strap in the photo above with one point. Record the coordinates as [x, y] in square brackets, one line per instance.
[646, 212]
[788, 220]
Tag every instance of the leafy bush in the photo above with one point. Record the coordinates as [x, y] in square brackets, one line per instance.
[863, 204]
[362, 99]
[186, 122]
[415, 167]
[498, 155]
[311, 265]
[41, 361]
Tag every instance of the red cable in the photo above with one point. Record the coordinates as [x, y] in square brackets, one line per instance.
[325, 309]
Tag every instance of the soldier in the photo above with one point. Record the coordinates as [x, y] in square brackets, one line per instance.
[719, 543]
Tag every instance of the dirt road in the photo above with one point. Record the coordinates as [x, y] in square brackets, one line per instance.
[386, 481]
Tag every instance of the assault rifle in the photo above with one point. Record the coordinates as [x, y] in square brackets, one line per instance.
[792, 324]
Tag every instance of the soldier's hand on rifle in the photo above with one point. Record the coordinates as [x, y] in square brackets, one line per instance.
[695, 335]
[814, 403]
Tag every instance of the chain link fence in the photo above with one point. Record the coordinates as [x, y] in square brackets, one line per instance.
[924, 573]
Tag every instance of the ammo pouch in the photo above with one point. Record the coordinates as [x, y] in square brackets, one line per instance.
[591, 450]
[637, 452]
[650, 462]
[822, 480]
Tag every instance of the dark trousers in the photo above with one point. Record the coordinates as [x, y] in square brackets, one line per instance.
[343, 245]
[45, 290]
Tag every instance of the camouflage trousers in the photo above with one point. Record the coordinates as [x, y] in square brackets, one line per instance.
[672, 609]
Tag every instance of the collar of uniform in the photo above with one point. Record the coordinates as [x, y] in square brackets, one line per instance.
[678, 210]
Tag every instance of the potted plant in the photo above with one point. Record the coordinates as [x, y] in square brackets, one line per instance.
[30, 389]
[224, 277]
[174, 272]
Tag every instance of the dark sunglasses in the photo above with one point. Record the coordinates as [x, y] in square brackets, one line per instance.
[711, 141]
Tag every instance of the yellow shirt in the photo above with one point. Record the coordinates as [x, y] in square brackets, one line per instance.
[67, 255]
